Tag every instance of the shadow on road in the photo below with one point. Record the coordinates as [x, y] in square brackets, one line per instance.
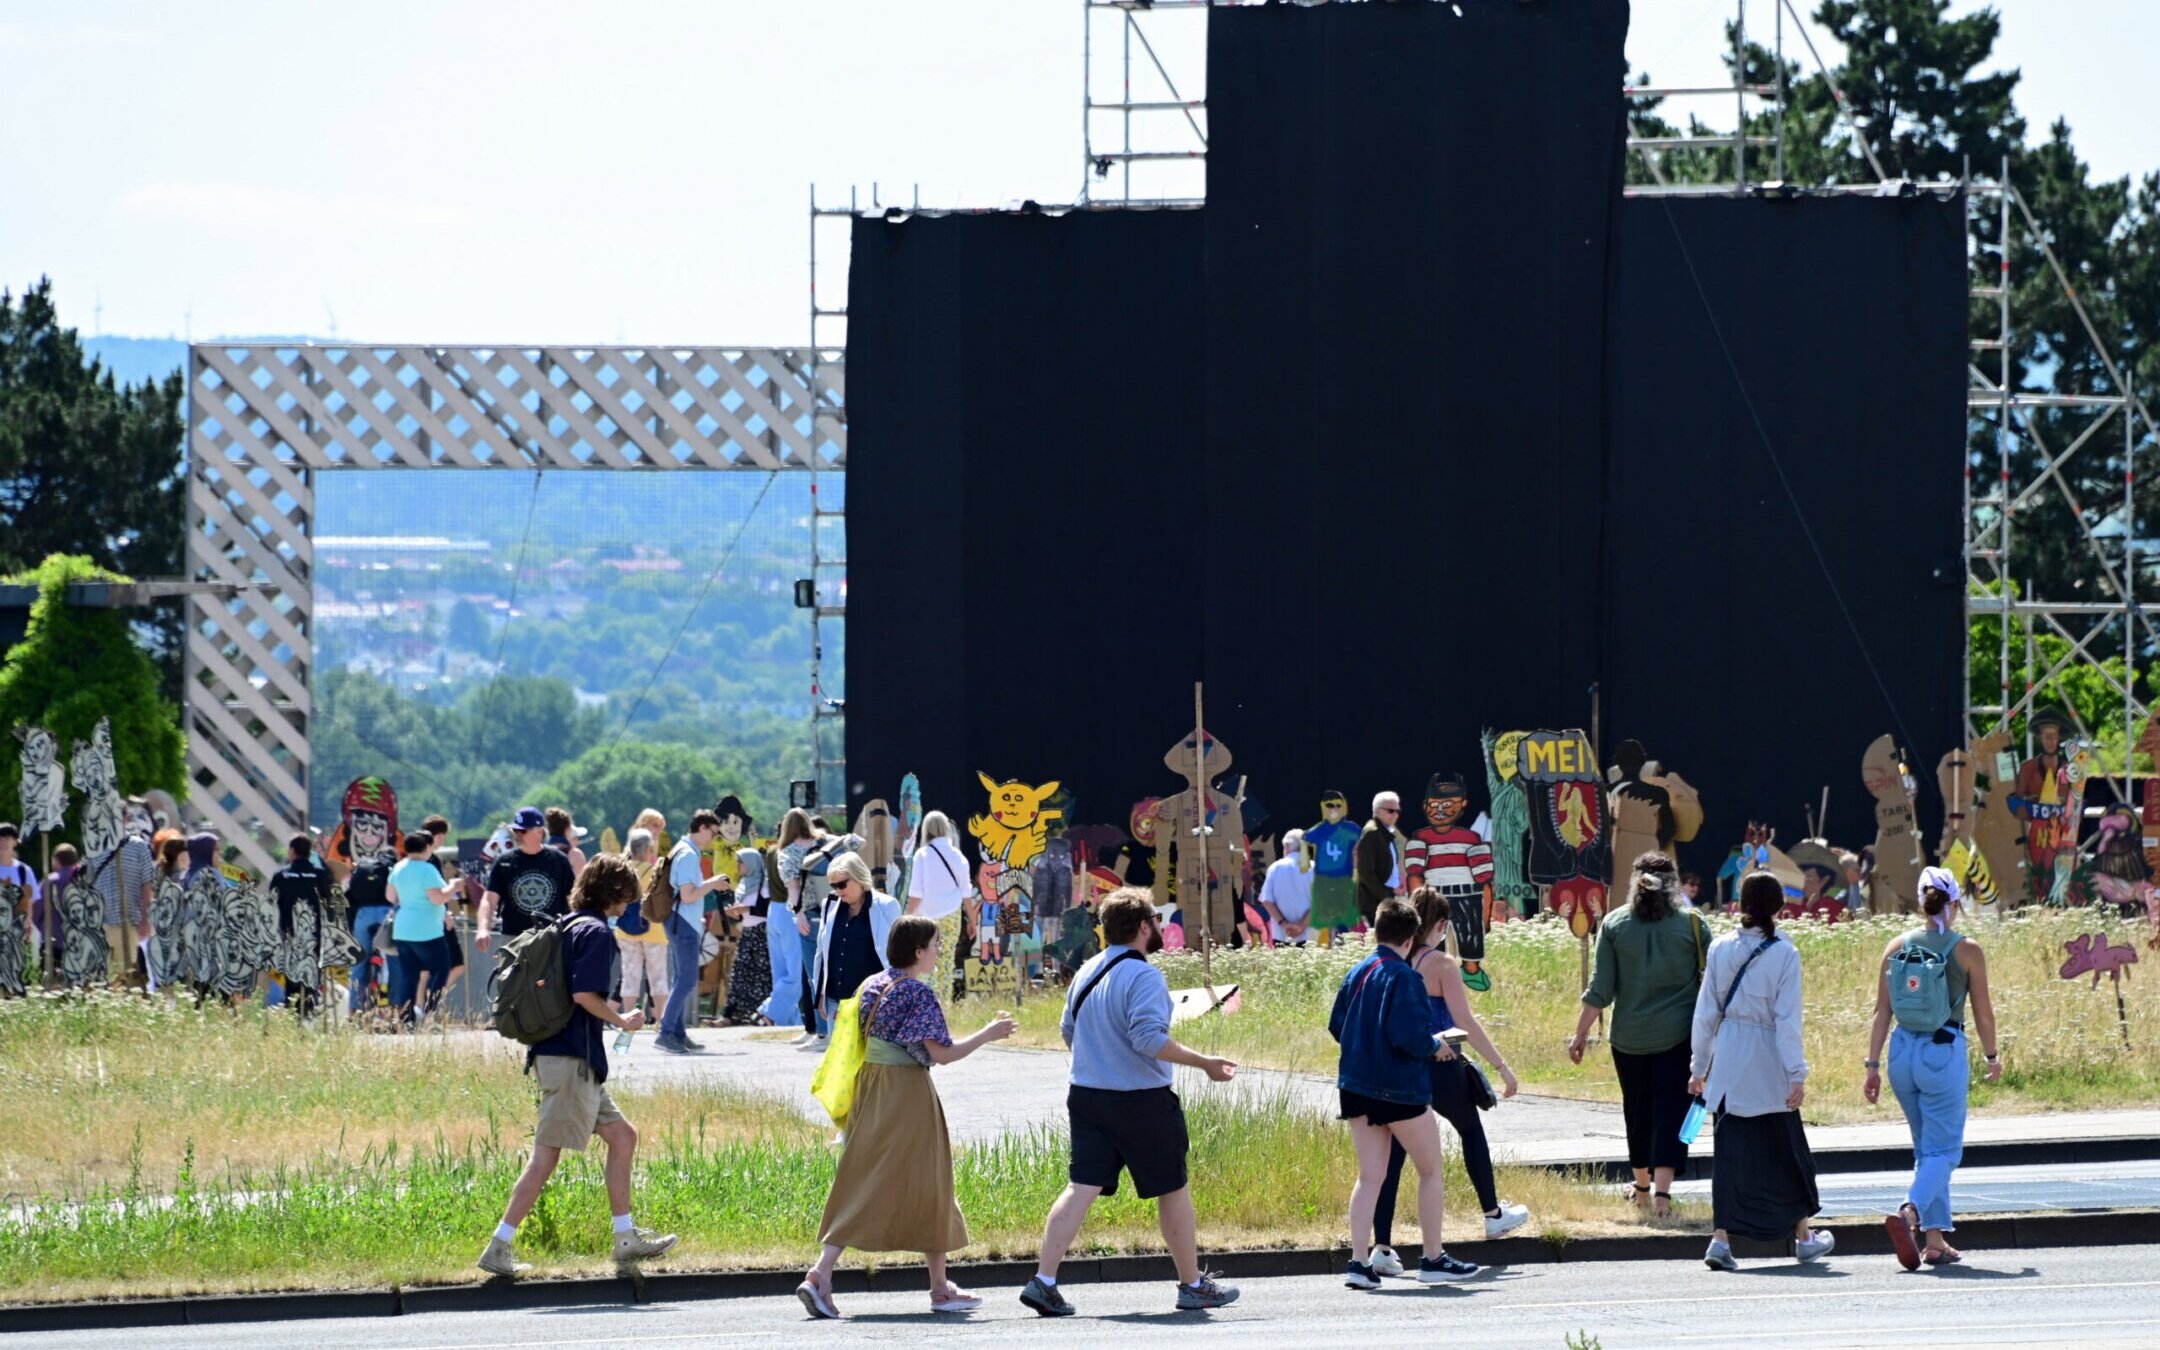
[1965, 1272]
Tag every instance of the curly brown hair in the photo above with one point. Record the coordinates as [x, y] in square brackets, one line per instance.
[607, 881]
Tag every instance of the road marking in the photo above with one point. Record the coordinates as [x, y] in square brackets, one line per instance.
[641, 1338]
[1943, 1288]
[1782, 1335]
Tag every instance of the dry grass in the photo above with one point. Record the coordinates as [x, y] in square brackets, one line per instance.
[2062, 1045]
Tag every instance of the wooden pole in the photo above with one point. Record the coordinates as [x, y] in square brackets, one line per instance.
[1200, 832]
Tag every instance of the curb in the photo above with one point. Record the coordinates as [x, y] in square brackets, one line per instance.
[1894, 1158]
[2108, 1228]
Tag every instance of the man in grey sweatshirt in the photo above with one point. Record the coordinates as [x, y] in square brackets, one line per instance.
[1124, 1115]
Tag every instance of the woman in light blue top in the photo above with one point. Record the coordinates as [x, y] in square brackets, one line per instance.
[420, 917]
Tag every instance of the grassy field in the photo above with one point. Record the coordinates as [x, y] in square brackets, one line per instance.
[2062, 1045]
[156, 1151]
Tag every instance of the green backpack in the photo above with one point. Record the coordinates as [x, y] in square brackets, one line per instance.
[532, 987]
[1920, 987]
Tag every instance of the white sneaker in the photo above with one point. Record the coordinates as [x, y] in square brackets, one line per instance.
[1820, 1243]
[1718, 1256]
[1510, 1218]
[500, 1258]
[1384, 1261]
[804, 1039]
[640, 1243]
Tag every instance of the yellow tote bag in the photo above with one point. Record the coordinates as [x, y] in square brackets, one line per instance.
[834, 1082]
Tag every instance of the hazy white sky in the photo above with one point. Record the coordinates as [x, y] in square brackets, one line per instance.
[638, 170]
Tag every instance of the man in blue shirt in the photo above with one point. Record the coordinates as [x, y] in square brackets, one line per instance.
[572, 1069]
[1123, 1115]
[685, 930]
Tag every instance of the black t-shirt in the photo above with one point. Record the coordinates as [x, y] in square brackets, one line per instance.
[369, 883]
[534, 888]
[298, 881]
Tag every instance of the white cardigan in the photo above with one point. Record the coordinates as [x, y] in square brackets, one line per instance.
[1750, 1054]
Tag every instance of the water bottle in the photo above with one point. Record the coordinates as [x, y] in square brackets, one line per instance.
[622, 1041]
[1691, 1125]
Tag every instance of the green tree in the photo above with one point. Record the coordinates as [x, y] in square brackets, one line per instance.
[88, 467]
[468, 627]
[76, 665]
[610, 784]
[533, 721]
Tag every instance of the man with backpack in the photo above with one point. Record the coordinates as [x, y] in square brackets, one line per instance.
[568, 1055]
[1928, 977]
[677, 905]
[1123, 1114]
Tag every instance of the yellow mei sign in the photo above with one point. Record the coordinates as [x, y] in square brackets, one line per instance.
[1556, 756]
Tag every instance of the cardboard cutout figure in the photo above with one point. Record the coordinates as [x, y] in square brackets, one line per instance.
[723, 856]
[1509, 824]
[1652, 810]
[168, 930]
[910, 827]
[247, 939]
[12, 937]
[1820, 873]
[1570, 832]
[1449, 855]
[1959, 775]
[1201, 832]
[44, 783]
[1012, 835]
[84, 953]
[369, 828]
[1899, 855]
[205, 892]
[1330, 854]
[2120, 876]
[340, 949]
[2049, 799]
[98, 782]
[1996, 831]
[1135, 860]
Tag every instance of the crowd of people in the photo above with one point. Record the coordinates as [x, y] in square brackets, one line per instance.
[1698, 1025]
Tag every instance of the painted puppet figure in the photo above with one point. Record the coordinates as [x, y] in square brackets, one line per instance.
[168, 930]
[1449, 855]
[1201, 832]
[98, 781]
[910, 827]
[44, 782]
[1011, 835]
[2049, 799]
[2120, 875]
[1898, 852]
[1820, 873]
[1570, 832]
[13, 936]
[369, 828]
[1329, 852]
[1652, 810]
[84, 953]
[1510, 823]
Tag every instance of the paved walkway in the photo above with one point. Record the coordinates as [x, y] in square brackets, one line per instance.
[1000, 1089]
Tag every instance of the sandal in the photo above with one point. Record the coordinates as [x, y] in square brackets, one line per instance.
[1635, 1197]
[1904, 1235]
[1943, 1256]
[1661, 1205]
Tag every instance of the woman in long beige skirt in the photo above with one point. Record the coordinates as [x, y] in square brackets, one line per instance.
[894, 1190]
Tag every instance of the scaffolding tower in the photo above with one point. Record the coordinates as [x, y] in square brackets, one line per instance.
[828, 504]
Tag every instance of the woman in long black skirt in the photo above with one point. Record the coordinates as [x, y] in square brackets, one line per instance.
[1749, 1067]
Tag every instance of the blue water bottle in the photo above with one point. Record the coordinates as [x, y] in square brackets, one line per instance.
[1691, 1125]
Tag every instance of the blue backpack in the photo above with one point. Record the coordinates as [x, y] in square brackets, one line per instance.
[1920, 987]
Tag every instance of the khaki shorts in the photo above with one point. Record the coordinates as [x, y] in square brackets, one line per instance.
[572, 1105]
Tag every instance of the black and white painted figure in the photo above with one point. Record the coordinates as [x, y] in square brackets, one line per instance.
[168, 937]
[12, 937]
[98, 782]
[247, 939]
[84, 954]
[340, 949]
[44, 783]
[206, 894]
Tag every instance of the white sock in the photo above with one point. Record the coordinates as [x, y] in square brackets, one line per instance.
[1049, 1281]
[505, 1232]
[622, 1223]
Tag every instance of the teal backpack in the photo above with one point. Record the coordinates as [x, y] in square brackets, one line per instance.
[1920, 987]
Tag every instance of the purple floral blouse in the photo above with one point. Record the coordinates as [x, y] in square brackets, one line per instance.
[903, 1010]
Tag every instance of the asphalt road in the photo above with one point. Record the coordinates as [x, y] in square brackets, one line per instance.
[2068, 1296]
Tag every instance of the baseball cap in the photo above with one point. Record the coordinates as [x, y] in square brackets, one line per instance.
[528, 818]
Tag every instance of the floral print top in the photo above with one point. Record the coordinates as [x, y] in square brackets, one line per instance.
[903, 1010]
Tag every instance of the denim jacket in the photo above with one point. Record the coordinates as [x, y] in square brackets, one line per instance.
[1383, 1021]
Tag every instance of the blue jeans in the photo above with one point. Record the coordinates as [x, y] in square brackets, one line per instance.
[365, 921]
[684, 942]
[783, 1007]
[432, 956]
[1932, 1083]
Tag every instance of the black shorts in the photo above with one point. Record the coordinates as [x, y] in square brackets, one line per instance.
[457, 949]
[1377, 1111]
[1140, 1132]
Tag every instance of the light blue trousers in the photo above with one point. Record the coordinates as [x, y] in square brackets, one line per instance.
[1932, 1083]
[784, 948]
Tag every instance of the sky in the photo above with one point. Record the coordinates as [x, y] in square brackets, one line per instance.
[481, 171]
